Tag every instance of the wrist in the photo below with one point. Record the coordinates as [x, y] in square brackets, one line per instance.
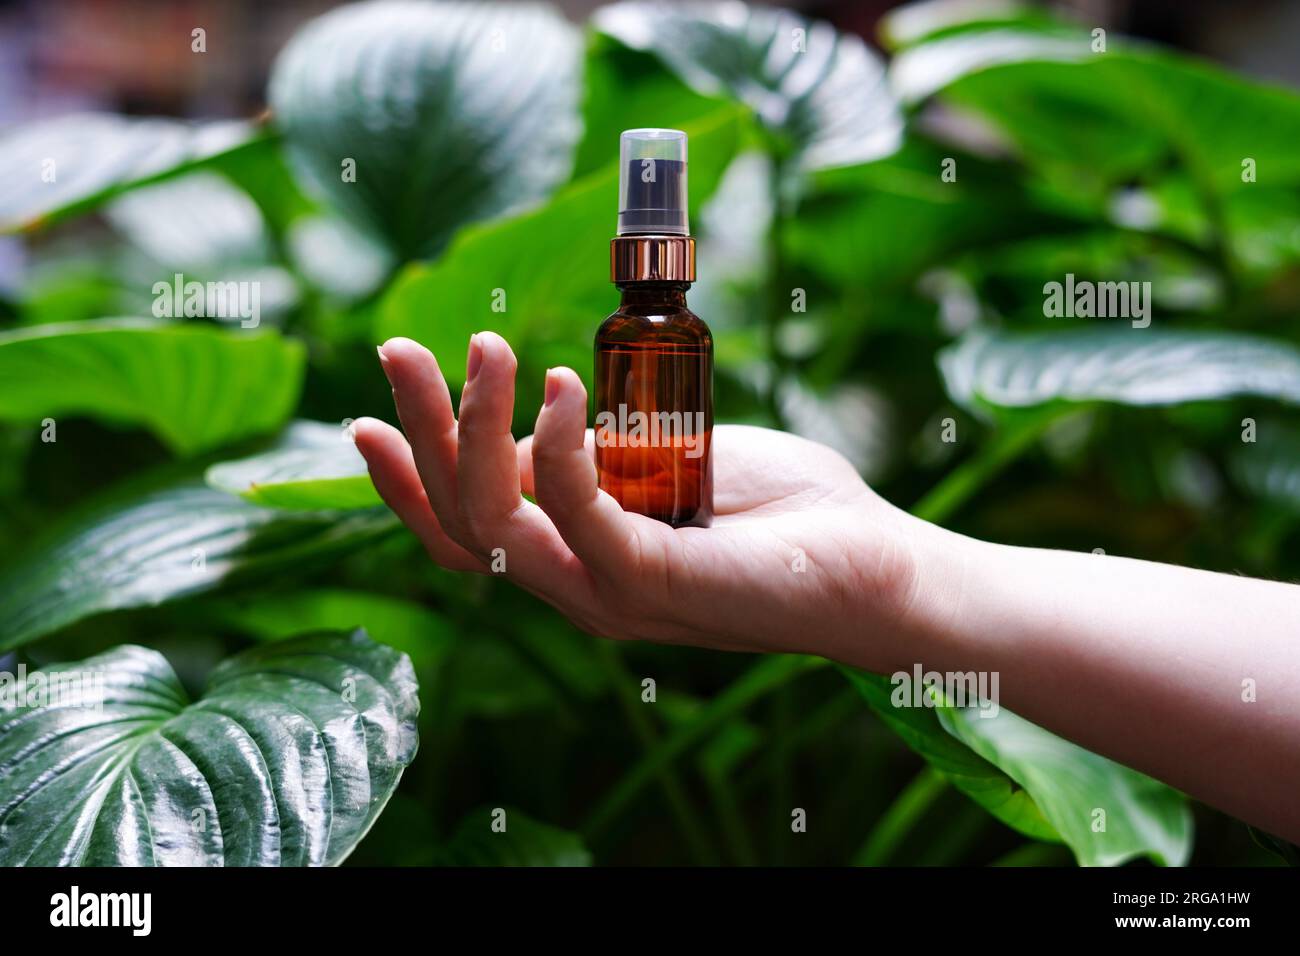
[936, 617]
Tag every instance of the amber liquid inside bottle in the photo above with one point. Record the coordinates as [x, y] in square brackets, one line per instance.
[654, 386]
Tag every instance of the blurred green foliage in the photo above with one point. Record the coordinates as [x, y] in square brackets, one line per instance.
[875, 237]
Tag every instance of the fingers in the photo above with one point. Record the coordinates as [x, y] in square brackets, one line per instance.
[392, 469]
[524, 453]
[424, 407]
[488, 471]
[469, 468]
[564, 478]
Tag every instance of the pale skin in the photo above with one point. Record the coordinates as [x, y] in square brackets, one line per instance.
[1142, 662]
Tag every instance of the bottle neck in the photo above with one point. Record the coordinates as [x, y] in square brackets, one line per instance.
[672, 294]
[650, 258]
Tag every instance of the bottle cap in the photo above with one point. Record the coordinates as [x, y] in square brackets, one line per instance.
[652, 183]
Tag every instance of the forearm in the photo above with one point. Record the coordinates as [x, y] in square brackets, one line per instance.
[1190, 676]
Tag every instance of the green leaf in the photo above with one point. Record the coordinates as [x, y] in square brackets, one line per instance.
[620, 83]
[1125, 365]
[974, 776]
[313, 465]
[194, 386]
[849, 417]
[286, 760]
[1181, 280]
[524, 842]
[204, 228]
[882, 224]
[262, 171]
[827, 102]
[59, 167]
[337, 258]
[451, 112]
[417, 631]
[1143, 817]
[482, 675]
[914, 23]
[199, 223]
[556, 292]
[63, 283]
[143, 548]
[1108, 117]
[1038, 783]
[925, 70]
[488, 677]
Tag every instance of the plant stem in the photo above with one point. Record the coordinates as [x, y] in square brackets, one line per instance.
[950, 839]
[731, 820]
[812, 727]
[569, 717]
[625, 689]
[943, 500]
[897, 821]
[764, 677]
[782, 797]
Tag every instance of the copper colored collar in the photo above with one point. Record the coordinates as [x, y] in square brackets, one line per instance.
[652, 259]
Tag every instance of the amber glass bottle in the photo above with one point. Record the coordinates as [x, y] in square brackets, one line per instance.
[654, 356]
[654, 382]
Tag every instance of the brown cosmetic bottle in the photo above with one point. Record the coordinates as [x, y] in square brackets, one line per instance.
[654, 356]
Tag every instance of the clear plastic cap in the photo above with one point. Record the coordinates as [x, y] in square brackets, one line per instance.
[652, 182]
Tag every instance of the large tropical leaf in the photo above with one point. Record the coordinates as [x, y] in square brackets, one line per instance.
[980, 780]
[1125, 365]
[314, 465]
[451, 112]
[620, 83]
[914, 23]
[144, 548]
[200, 223]
[881, 224]
[194, 386]
[1038, 783]
[58, 167]
[553, 294]
[204, 228]
[927, 68]
[338, 258]
[1110, 116]
[262, 171]
[1105, 812]
[824, 94]
[286, 760]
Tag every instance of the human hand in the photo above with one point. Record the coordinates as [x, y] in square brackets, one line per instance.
[802, 555]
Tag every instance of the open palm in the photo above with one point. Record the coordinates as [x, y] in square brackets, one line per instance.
[799, 544]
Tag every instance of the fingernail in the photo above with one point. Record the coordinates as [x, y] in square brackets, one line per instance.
[475, 359]
[552, 386]
[383, 361]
